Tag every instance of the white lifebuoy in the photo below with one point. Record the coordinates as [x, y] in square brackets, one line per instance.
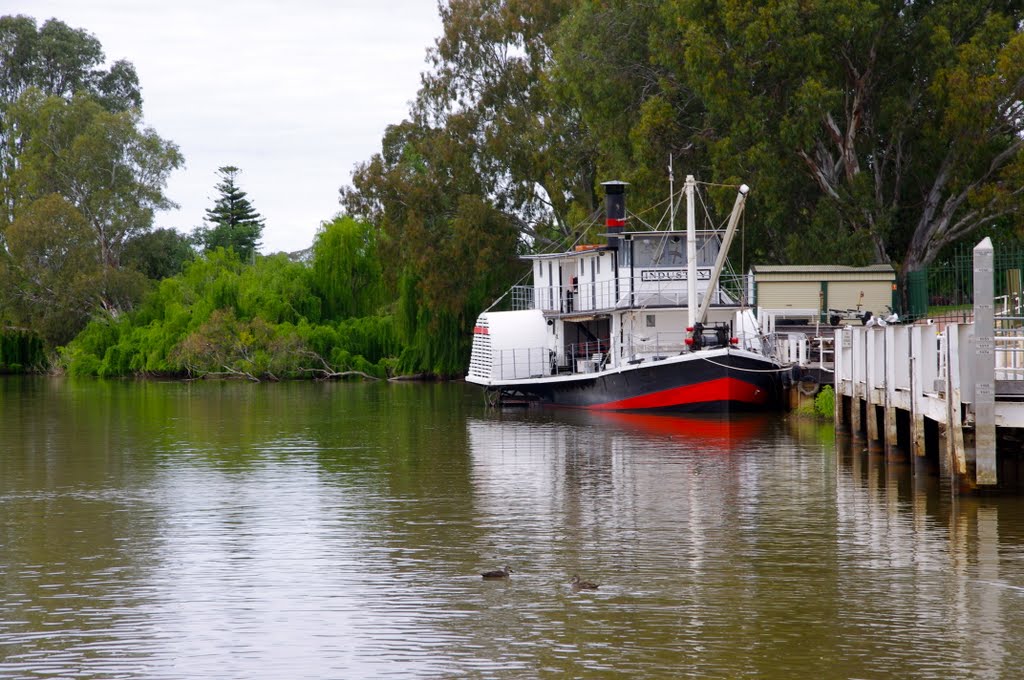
[808, 385]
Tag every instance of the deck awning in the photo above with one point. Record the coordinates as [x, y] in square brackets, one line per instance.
[584, 317]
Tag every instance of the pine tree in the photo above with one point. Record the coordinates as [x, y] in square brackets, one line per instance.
[234, 223]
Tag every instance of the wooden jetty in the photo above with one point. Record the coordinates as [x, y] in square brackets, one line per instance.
[952, 393]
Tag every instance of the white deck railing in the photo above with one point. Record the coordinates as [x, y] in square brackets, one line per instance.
[626, 292]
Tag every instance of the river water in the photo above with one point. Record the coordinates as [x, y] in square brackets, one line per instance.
[226, 530]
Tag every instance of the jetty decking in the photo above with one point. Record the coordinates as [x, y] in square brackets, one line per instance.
[954, 393]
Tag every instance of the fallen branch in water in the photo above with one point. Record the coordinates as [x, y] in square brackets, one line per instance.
[329, 373]
[415, 376]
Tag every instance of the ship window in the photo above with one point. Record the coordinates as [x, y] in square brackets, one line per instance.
[598, 264]
[661, 251]
[650, 321]
[540, 270]
[707, 251]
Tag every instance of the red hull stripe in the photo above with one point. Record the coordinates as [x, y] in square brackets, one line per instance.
[721, 389]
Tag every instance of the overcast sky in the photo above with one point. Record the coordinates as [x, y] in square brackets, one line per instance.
[294, 93]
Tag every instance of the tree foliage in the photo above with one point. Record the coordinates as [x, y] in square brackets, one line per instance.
[61, 61]
[50, 274]
[870, 132]
[158, 254]
[21, 351]
[232, 222]
[79, 177]
[105, 164]
[895, 127]
[225, 345]
[452, 250]
[347, 272]
[223, 317]
[57, 61]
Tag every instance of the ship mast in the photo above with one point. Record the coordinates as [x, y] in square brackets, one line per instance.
[691, 251]
[671, 196]
[723, 252]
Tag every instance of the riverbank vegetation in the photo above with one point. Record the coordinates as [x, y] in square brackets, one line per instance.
[870, 133]
[222, 317]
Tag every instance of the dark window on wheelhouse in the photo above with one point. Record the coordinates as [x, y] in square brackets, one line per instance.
[669, 250]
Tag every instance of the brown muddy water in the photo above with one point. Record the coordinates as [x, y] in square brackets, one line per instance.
[169, 530]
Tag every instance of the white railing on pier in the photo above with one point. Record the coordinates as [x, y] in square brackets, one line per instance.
[1009, 306]
[1009, 353]
[933, 375]
[966, 378]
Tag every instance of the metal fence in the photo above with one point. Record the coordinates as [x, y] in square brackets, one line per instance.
[945, 290]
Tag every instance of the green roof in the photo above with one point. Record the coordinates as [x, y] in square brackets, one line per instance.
[821, 269]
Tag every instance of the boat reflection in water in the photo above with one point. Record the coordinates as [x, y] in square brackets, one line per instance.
[635, 463]
[562, 436]
[711, 433]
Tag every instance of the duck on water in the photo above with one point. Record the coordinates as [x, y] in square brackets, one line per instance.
[577, 584]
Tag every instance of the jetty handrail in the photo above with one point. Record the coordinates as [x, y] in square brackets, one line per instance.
[1010, 305]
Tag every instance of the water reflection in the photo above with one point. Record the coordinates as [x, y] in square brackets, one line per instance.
[152, 530]
[944, 554]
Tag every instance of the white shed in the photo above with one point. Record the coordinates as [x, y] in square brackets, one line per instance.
[822, 293]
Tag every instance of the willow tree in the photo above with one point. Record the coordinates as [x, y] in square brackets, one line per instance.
[875, 131]
[347, 272]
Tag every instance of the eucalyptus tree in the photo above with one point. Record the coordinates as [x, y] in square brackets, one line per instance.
[58, 61]
[232, 222]
[876, 131]
[61, 61]
[444, 248]
[487, 157]
[50, 274]
[488, 92]
[111, 168]
[638, 108]
[73, 153]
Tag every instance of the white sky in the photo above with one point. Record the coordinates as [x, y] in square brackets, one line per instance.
[294, 93]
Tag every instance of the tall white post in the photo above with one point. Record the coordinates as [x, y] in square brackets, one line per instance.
[691, 250]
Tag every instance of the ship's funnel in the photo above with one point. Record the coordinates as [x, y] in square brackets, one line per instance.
[615, 210]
